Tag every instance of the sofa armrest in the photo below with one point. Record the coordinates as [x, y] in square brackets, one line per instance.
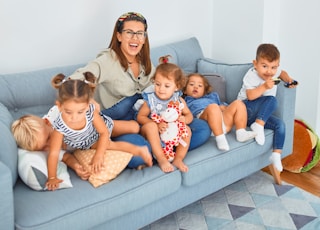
[8, 150]
[6, 198]
[286, 111]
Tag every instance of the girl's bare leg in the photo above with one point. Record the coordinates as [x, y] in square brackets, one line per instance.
[181, 152]
[213, 115]
[135, 150]
[124, 127]
[151, 133]
[236, 114]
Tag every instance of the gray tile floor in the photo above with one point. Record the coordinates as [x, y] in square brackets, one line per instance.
[252, 203]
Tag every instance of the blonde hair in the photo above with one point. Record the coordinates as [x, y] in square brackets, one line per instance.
[25, 131]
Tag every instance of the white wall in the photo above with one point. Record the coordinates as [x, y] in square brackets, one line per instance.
[39, 34]
[299, 37]
[237, 29]
[290, 24]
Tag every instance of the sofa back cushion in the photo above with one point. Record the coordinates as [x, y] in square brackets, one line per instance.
[30, 92]
[184, 53]
[218, 84]
[232, 73]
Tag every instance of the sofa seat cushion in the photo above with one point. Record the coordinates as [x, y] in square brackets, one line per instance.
[84, 206]
[208, 161]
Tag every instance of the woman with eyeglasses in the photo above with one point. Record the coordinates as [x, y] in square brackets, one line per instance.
[123, 71]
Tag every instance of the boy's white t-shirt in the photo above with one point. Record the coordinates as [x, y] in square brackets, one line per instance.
[252, 80]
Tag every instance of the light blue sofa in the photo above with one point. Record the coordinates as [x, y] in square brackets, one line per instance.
[135, 198]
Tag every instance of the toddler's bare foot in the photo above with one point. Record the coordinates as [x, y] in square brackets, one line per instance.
[180, 165]
[81, 172]
[166, 166]
[146, 156]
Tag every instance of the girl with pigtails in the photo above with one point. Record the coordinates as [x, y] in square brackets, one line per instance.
[80, 125]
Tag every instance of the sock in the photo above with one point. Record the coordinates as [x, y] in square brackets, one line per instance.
[259, 130]
[244, 135]
[222, 142]
[275, 159]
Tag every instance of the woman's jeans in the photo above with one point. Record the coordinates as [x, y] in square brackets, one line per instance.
[123, 110]
[262, 109]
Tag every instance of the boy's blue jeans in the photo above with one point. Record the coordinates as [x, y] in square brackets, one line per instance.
[262, 109]
[124, 111]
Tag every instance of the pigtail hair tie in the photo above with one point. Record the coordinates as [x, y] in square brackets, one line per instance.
[58, 80]
[164, 59]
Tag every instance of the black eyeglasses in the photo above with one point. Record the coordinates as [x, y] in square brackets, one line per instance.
[130, 34]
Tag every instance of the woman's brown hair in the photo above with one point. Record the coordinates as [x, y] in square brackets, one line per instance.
[144, 55]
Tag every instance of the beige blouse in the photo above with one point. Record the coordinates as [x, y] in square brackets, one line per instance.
[113, 83]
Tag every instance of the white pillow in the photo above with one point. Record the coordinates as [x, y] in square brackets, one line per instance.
[32, 168]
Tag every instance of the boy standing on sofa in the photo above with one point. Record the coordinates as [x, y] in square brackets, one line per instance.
[258, 92]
